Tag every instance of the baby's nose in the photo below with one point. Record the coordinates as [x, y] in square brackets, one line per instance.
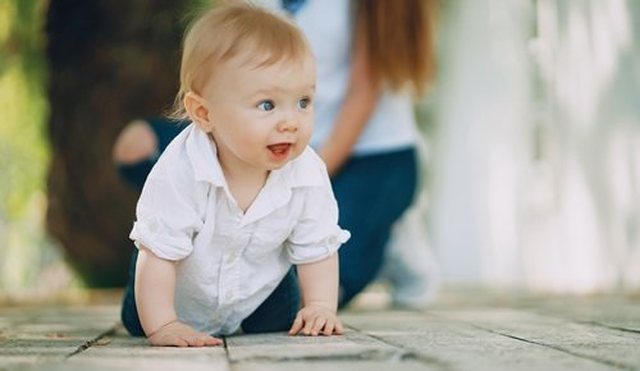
[290, 124]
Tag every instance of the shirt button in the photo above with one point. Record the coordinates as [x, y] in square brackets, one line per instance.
[231, 257]
[229, 295]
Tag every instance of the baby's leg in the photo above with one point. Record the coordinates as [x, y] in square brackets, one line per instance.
[129, 312]
[278, 311]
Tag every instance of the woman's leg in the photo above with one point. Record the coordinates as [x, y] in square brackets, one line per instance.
[372, 193]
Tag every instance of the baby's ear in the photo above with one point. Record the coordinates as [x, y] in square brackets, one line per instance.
[197, 108]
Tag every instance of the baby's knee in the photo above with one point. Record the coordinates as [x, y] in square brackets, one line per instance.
[136, 142]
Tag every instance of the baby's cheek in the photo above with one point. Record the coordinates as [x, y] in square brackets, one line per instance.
[305, 135]
[251, 140]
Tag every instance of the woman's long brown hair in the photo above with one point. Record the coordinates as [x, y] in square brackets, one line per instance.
[400, 41]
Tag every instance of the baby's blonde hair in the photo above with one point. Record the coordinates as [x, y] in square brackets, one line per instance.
[229, 30]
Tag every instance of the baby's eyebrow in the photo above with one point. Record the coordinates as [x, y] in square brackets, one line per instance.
[311, 87]
[279, 89]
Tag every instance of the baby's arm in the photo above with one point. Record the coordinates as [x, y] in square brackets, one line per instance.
[319, 286]
[154, 288]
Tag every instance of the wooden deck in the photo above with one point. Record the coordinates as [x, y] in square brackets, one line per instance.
[464, 330]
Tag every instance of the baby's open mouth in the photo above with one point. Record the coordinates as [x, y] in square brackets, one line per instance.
[280, 148]
[280, 151]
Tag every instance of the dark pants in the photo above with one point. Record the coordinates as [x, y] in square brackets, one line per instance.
[372, 191]
[274, 314]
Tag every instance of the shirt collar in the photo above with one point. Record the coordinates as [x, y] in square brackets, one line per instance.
[278, 189]
[307, 170]
[203, 156]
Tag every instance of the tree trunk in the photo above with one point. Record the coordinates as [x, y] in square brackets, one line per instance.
[110, 61]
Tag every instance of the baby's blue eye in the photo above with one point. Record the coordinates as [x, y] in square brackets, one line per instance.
[266, 105]
[304, 103]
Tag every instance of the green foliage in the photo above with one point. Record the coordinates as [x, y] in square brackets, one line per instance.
[23, 106]
[27, 259]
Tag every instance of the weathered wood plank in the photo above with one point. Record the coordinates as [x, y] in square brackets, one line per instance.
[607, 311]
[611, 347]
[282, 347]
[455, 345]
[120, 352]
[41, 335]
[476, 332]
[610, 310]
[330, 365]
[353, 350]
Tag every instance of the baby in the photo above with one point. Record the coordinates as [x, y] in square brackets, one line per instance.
[238, 196]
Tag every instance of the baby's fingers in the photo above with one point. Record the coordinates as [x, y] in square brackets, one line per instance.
[179, 342]
[201, 340]
[211, 341]
[318, 324]
[308, 326]
[168, 340]
[339, 329]
[297, 325]
[328, 328]
[195, 341]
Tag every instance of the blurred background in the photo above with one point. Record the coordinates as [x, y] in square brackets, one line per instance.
[532, 131]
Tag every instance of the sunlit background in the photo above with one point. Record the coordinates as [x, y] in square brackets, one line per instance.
[533, 148]
[536, 162]
[30, 263]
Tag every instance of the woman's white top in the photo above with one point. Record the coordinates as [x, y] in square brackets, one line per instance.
[229, 261]
[328, 26]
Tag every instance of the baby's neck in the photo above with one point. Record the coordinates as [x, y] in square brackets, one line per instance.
[246, 187]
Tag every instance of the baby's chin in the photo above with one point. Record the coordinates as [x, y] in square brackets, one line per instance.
[281, 164]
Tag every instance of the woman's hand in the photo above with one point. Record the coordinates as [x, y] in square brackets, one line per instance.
[316, 320]
[177, 334]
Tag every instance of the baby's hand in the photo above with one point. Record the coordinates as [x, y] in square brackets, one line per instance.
[177, 334]
[316, 319]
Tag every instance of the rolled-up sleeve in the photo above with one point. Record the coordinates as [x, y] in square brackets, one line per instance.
[317, 234]
[166, 219]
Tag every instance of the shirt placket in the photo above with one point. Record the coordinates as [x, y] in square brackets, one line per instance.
[231, 270]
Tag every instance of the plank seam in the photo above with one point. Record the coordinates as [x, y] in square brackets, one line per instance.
[406, 354]
[606, 362]
[226, 349]
[364, 356]
[586, 322]
[623, 329]
[88, 344]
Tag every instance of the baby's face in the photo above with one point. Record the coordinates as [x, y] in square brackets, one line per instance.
[262, 116]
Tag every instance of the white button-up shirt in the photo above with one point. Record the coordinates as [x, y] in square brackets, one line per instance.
[229, 261]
